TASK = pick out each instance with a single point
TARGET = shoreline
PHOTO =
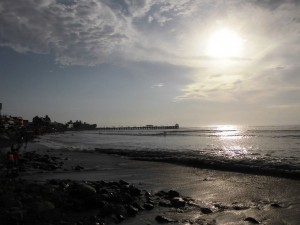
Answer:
(232, 197)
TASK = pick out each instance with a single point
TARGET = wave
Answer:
(254, 166)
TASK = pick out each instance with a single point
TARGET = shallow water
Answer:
(268, 150)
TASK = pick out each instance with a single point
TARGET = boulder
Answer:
(206, 210)
(177, 202)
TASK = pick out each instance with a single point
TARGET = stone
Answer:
(206, 210)
(132, 211)
(173, 194)
(82, 190)
(163, 219)
(276, 205)
(251, 220)
(148, 206)
(134, 191)
(177, 202)
(78, 168)
(165, 203)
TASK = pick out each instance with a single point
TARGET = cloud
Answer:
(97, 31)
(85, 32)
(159, 85)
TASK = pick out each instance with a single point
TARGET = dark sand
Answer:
(234, 198)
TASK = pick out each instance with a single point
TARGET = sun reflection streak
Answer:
(231, 138)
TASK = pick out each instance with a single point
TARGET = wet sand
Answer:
(233, 198)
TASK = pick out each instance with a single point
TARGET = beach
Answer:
(209, 196)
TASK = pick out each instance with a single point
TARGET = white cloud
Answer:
(159, 85)
(174, 32)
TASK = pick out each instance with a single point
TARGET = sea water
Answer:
(268, 150)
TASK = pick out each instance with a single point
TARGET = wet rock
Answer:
(240, 207)
(82, 190)
(251, 220)
(78, 168)
(134, 191)
(15, 215)
(165, 203)
(206, 210)
(178, 202)
(8, 200)
(122, 182)
(161, 194)
(132, 211)
(163, 219)
(148, 206)
(276, 205)
(41, 206)
(173, 194)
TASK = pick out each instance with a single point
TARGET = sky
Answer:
(160, 62)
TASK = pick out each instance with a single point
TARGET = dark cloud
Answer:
(84, 32)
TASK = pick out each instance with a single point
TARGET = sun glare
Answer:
(224, 43)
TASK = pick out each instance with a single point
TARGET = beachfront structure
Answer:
(147, 127)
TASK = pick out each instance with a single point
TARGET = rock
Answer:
(134, 191)
(161, 193)
(163, 219)
(165, 203)
(82, 190)
(206, 210)
(173, 194)
(41, 206)
(122, 182)
(177, 202)
(148, 206)
(16, 215)
(251, 220)
(78, 168)
(132, 211)
(276, 205)
(8, 200)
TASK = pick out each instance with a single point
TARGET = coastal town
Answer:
(11, 126)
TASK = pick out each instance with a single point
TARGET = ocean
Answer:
(267, 150)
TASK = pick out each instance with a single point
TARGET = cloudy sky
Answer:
(136, 62)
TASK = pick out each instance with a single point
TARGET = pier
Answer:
(147, 127)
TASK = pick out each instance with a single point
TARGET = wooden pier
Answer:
(147, 127)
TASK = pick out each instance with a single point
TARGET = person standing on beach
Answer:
(12, 161)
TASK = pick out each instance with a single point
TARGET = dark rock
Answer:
(9, 200)
(173, 194)
(163, 219)
(41, 206)
(132, 211)
(165, 203)
(147, 194)
(134, 191)
(82, 190)
(15, 215)
(122, 182)
(251, 220)
(276, 205)
(161, 193)
(138, 206)
(148, 206)
(240, 207)
(206, 210)
(177, 202)
(78, 168)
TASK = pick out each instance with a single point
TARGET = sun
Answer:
(224, 43)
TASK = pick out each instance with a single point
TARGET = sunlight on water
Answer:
(231, 139)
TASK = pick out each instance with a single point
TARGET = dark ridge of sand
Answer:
(209, 196)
